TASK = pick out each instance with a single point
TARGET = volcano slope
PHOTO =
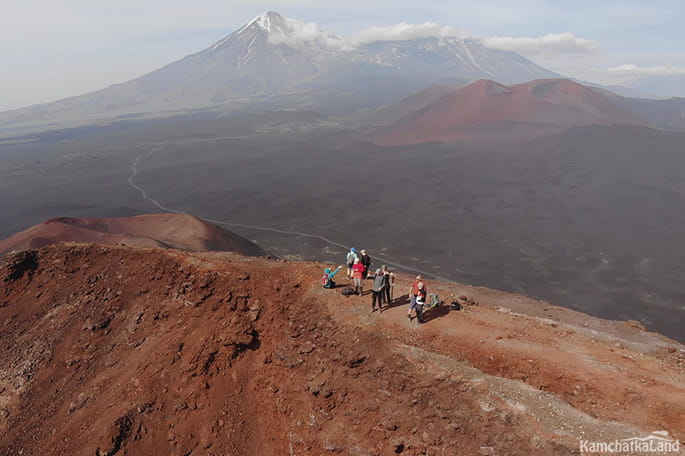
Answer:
(177, 231)
(119, 350)
(487, 109)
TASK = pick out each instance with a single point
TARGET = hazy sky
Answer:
(52, 49)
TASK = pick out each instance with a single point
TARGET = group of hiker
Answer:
(359, 269)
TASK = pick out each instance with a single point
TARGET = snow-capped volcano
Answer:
(283, 30)
(291, 32)
(286, 63)
(270, 22)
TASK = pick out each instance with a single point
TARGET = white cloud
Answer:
(304, 34)
(299, 34)
(636, 70)
(557, 43)
(404, 31)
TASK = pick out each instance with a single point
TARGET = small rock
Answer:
(333, 447)
(397, 445)
(307, 348)
(356, 361)
(636, 324)
(359, 451)
(390, 426)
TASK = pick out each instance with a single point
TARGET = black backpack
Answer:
(347, 291)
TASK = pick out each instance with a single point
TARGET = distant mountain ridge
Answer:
(277, 62)
(665, 86)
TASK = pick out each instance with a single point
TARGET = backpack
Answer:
(434, 300)
(347, 291)
(324, 280)
(455, 305)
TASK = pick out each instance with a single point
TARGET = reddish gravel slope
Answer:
(487, 108)
(120, 350)
(179, 231)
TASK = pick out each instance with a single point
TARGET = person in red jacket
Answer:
(357, 275)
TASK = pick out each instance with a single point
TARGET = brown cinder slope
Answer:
(398, 110)
(484, 107)
(178, 231)
(120, 350)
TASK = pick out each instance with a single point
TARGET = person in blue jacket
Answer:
(327, 279)
(351, 256)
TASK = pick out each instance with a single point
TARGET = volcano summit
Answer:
(274, 62)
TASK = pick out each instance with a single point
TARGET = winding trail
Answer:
(134, 173)
(144, 194)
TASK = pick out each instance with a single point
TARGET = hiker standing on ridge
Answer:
(389, 281)
(413, 293)
(366, 261)
(420, 301)
(351, 256)
(377, 291)
(357, 274)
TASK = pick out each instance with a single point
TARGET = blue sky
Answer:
(54, 49)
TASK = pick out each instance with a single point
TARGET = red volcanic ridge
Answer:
(132, 351)
(484, 107)
(178, 231)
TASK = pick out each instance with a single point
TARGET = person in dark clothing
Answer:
(420, 301)
(378, 287)
(366, 261)
(389, 281)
